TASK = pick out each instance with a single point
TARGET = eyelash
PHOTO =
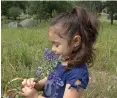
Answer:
(56, 45)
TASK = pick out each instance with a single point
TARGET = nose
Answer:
(54, 49)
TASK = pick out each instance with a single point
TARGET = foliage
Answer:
(5, 5)
(14, 12)
(111, 8)
(54, 13)
(44, 9)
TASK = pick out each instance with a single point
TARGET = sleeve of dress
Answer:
(78, 78)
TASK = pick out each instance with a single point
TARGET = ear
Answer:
(77, 40)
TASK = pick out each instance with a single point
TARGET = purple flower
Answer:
(38, 72)
(50, 55)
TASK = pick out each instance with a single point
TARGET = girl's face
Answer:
(60, 45)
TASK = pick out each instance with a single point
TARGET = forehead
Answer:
(54, 33)
(58, 28)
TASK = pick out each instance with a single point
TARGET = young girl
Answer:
(72, 35)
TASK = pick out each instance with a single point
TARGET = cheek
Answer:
(63, 49)
(60, 49)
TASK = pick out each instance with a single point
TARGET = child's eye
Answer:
(56, 45)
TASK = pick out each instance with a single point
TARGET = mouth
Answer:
(57, 54)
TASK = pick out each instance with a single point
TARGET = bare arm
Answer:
(43, 81)
(30, 88)
(72, 92)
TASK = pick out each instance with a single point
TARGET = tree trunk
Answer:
(111, 18)
(15, 18)
(8, 17)
(37, 20)
(19, 18)
(40, 20)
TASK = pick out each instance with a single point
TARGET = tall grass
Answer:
(106, 48)
(22, 52)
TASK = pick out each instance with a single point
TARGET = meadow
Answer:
(22, 52)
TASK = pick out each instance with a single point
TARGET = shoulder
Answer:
(78, 74)
(78, 71)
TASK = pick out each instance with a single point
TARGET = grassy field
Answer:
(22, 52)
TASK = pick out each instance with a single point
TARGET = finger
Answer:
(28, 82)
(32, 79)
(24, 82)
(32, 82)
(24, 89)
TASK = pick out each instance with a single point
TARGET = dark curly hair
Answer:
(83, 23)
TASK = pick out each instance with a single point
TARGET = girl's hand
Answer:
(28, 82)
(28, 88)
(29, 92)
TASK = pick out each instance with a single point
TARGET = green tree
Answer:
(111, 8)
(5, 5)
(14, 12)
(37, 8)
(93, 6)
(44, 9)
